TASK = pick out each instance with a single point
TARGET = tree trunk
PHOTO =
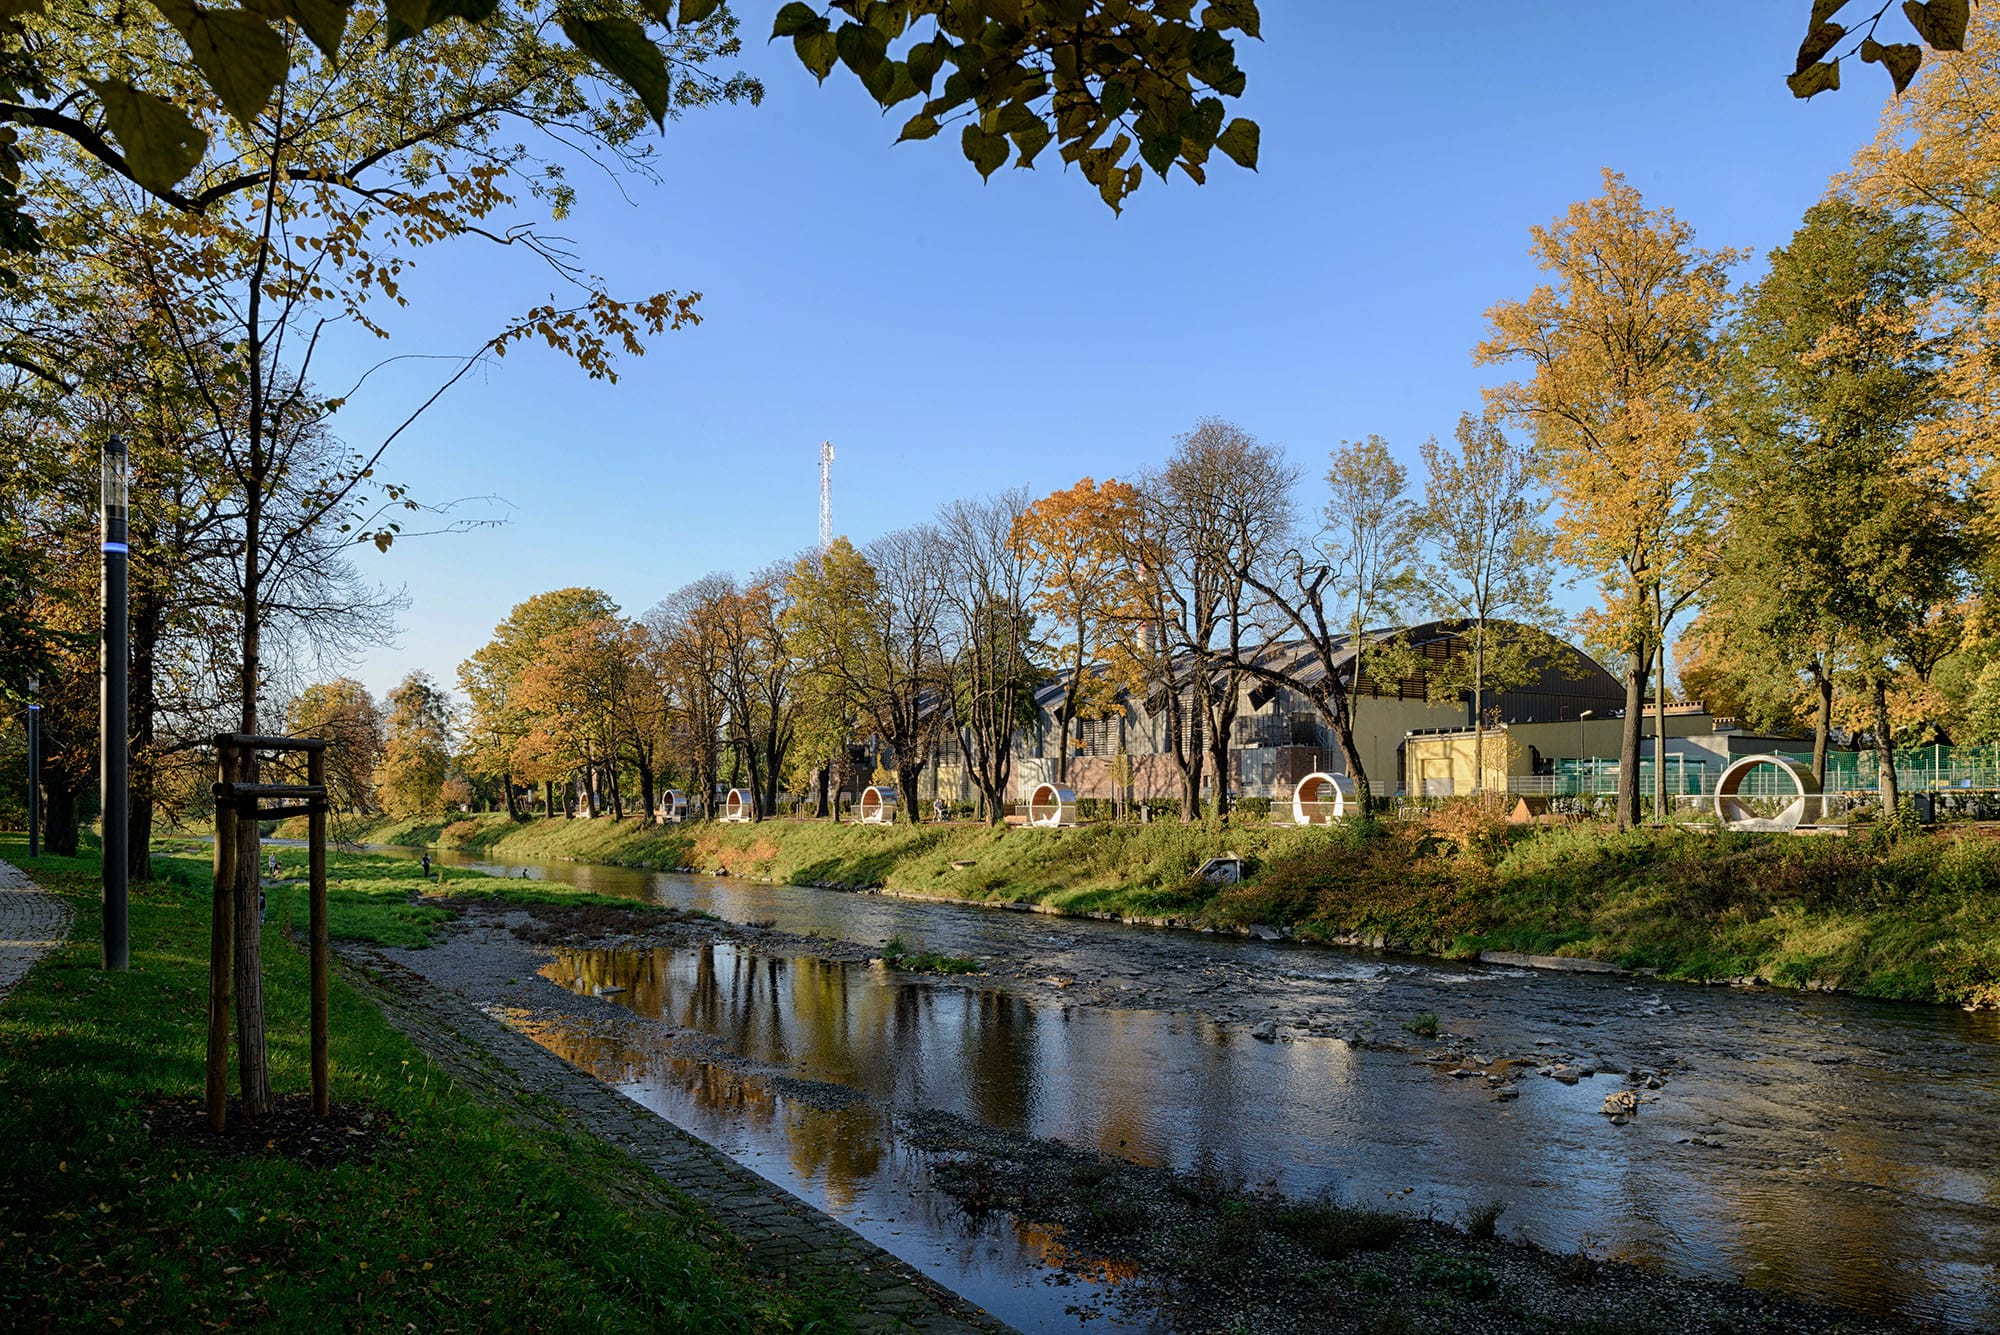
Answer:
(1885, 744)
(645, 769)
(1660, 732)
(1822, 724)
(253, 1070)
(59, 823)
(822, 787)
(1479, 708)
(1636, 663)
(513, 801)
(147, 617)
(906, 789)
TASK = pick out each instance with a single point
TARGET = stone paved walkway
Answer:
(31, 925)
(782, 1237)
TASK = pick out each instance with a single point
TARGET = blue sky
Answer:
(953, 338)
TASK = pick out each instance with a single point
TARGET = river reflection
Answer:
(1833, 1148)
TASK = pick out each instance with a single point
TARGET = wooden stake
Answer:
(221, 947)
(316, 896)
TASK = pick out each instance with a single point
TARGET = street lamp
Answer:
(1583, 744)
(34, 767)
(115, 774)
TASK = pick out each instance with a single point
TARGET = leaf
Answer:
(1029, 141)
(985, 151)
(1159, 152)
(1940, 22)
(816, 51)
(627, 54)
(861, 48)
(796, 18)
(919, 126)
(1241, 14)
(239, 57)
(1818, 42)
(922, 62)
(1902, 60)
(323, 22)
(1240, 140)
(694, 11)
(1821, 78)
(160, 143)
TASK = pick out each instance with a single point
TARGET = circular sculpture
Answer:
(673, 805)
(1050, 807)
(1321, 798)
(878, 806)
(1731, 807)
(739, 806)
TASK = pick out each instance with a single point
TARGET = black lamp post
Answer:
(112, 730)
(34, 767)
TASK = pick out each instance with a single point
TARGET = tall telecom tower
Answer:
(825, 496)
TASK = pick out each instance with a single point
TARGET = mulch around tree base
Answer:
(353, 1133)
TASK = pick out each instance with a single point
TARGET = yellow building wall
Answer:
(1456, 755)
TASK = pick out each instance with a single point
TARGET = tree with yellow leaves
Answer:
(1619, 344)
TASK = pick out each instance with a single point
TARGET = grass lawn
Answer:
(458, 1219)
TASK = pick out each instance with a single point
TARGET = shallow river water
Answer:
(1831, 1148)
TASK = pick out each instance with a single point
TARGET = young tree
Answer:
(1487, 563)
(1620, 346)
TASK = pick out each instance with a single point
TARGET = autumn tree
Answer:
(578, 693)
(416, 749)
(1486, 563)
(498, 720)
(346, 715)
(1065, 537)
(868, 625)
(1619, 344)
(692, 667)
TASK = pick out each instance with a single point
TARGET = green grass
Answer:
(464, 1220)
(1916, 920)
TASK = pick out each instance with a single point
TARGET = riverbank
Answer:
(1914, 920)
(419, 1204)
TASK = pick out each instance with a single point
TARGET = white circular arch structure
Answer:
(673, 805)
(1797, 785)
(878, 805)
(1322, 798)
(1051, 808)
(740, 806)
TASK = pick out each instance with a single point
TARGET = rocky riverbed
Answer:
(1150, 1244)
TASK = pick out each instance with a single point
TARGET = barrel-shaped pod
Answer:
(673, 805)
(1733, 810)
(739, 806)
(1322, 798)
(1051, 807)
(878, 805)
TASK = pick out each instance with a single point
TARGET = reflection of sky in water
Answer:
(1824, 1145)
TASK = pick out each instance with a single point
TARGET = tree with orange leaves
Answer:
(1619, 344)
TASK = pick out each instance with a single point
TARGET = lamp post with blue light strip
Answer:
(112, 730)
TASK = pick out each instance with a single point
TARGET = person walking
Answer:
(427, 866)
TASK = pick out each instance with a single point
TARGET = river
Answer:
(1830, 1148)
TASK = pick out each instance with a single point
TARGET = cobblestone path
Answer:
(31, 925)
(781, 1236)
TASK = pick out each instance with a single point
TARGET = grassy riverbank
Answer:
(1914, 920)
(426, 1208)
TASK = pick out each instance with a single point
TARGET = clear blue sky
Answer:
(953, 338)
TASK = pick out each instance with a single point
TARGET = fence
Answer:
(1925, 769)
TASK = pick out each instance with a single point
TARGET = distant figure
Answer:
(274, 866)
(937, 809)
(263, 909)
(427, 866)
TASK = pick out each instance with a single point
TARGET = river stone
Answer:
(1266, 1032)
(1620, 1104)
(1569, 1075)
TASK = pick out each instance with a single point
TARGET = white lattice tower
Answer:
(825, 495)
